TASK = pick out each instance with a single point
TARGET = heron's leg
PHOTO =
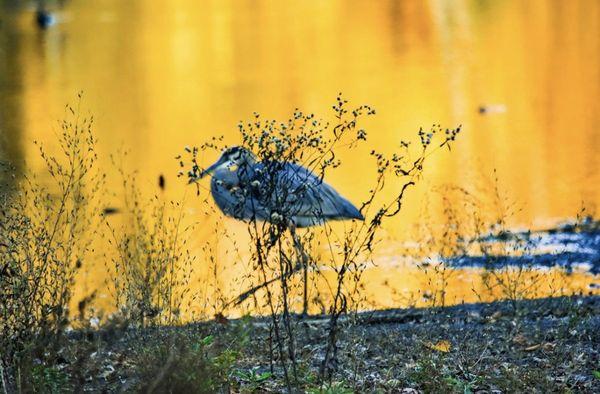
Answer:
(303, 262)
(242, 297)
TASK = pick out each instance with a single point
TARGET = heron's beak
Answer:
(207, 171)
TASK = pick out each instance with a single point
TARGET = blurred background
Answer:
(522, 77)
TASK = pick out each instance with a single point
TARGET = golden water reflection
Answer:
(161, 75)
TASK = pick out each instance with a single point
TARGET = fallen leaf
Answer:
(440, 346)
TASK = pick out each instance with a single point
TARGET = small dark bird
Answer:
(44, 18)
(161, 182)
(492, 109)
(110, 211)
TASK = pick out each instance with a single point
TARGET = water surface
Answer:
(523, 78)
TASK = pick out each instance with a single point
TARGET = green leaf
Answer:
(263, 376)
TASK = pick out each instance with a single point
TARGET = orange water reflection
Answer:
(162, 75)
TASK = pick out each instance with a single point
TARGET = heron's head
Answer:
(231, 159)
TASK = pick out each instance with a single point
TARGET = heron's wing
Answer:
(303, 194)
(259, 190)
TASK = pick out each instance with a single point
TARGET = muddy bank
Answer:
(546, 345)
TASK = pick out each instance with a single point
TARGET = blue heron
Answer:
(273, 191)
(278, 192)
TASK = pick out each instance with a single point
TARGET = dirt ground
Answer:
(546, 345)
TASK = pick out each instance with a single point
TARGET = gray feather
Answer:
(265, 191)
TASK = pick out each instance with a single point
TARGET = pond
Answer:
(522, 78)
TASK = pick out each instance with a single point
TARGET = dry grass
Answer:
(45, 233)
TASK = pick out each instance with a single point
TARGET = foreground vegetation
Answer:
(51, 225)
(552, 346)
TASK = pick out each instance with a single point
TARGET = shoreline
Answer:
(548, 345)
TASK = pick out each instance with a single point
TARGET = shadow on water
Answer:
(563, 248)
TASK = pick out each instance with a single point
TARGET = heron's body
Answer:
(246, 189)
(279, 190)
